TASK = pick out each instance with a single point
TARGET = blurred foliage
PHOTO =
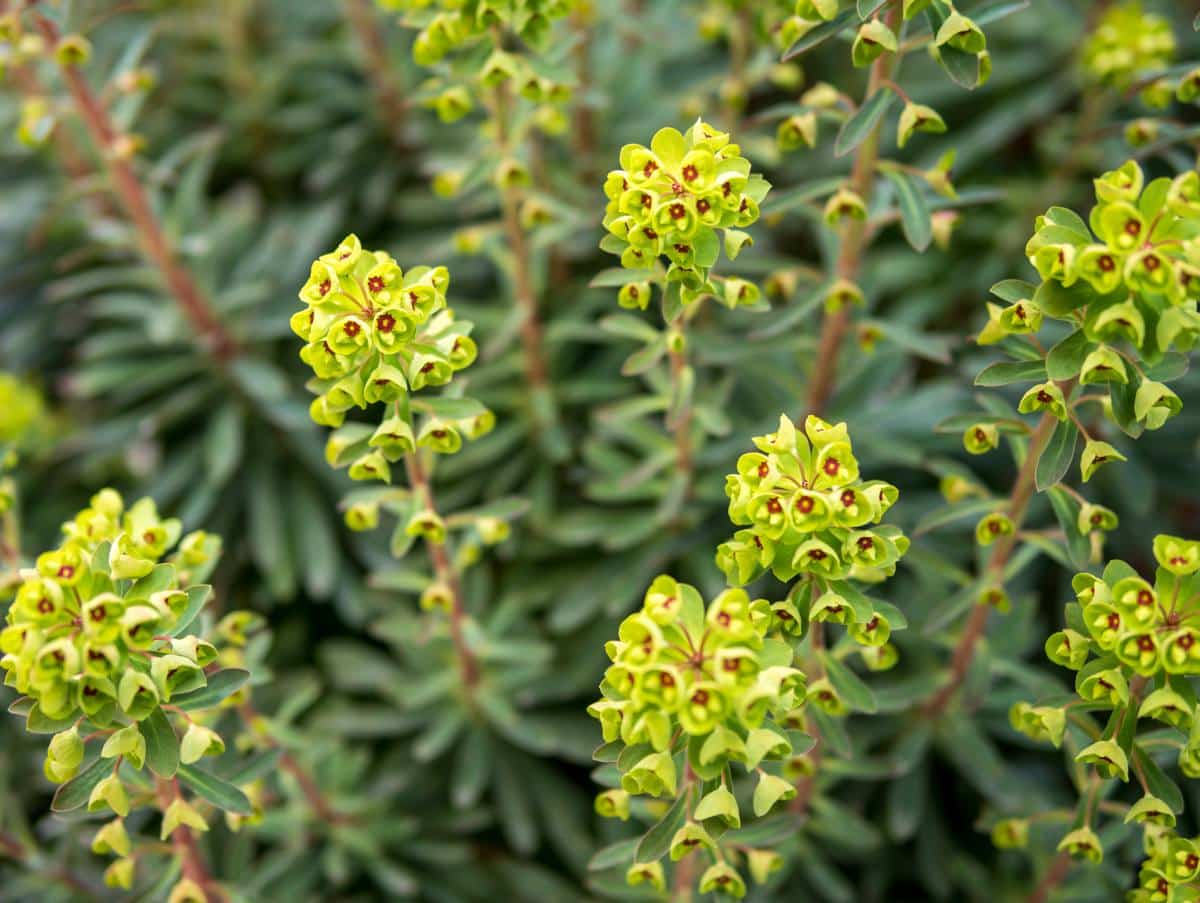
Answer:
(153, 350)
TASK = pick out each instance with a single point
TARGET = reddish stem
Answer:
(132, 196)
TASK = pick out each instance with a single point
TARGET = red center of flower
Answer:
(703, 206)
(758, 542)
(1106, 263)
(744, 206)
(1133, 227)
(45, 606)
(723, 618)
(647, 200)
(1186, 641)
(1145, 597)
(763, 470)
(731, 664)
(1152, 263)
(324, 288)
(678, 211)
(1019, 311)
(633, 292)
(89, 691)
(682, 249)
(351, 328)
(817, 555)
(375, 283)
(667, 680)
(385, 322)
(690, 173)
(773, 505)
(804, 504)
(994, 526)
(873, 623)
(649, 168)
(1114, 621)
(832, 465)
(439, 434)
(1192, 861)
(98, 613)
(700, 697)
(66, 572)
(650, 234)
(866, 543)
(1145, 644)
(980, 435)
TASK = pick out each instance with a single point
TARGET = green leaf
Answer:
(452, 408)
(1066, 512)
(614, 855)
(1056, 300)
(217, 791)
(1057, 456)
(1065, 358)
(856, 129)
(1156, 779)
(197, 599)
(868, 8)
(914, 210)
(75, 792)
(821, 33)
(657, 841)
(221, 685)
(37, 722)
(1007, 372)
(849, 686)
(1013, 290)
(162, 745)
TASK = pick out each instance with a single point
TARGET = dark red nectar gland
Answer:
(731, 664)
(1186, 642)
(1114, 621)
(439, 434)
(1106, 263)
(817, 555)
(98, 613)
(980, 435)
(678, 211)
(690, 173)
(650, 234)
(666, 680)
(66, 572)
(375, 284)
(649, 168)
(324, 288)
(700, 697)
(703, 206)
(351, 329)
(427, 367)
(773, 505)
(1145, 597)
(45, 606)
(1133, 227)
(832, 466)
(682, 249)
(385, 323)
(847, 498)
(723, 619)
(994, 527)
(1044, 397)
(1152, 263)
(804, 504)
(763, 469)
(1145, 644)
(865, 543)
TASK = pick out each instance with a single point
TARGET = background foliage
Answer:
(268, 131)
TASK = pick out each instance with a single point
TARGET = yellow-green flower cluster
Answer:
(97, 627)
(1173, 865)
(374, 335)
(807, 511)
(1127, 42)
(446, 25)
(1133, 625)
(671, 198)
(715, 682)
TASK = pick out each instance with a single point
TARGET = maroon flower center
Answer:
(427, 367)
(731, 664)
(873, 623)
(678, 211)
(650, 234)
(385, 323)
(723, 619)
(324, 288)
(98, 613)
(375, 283)
(1133, 227)
(804, 504)
(994, 526)
(866, 543)
(817, 555)
(1152, 263)
(45, 606)
(832, 465)
(700, 697)
(66, 572)
(1044, 397)
(1145, 644)
(682, 249)
(1145, 597)
(1106, 263)
(690, 173)
(1186, 641)
(667, 680)
(848, 498)
(649, 168)
(980, 435)
(1114, 621)
(763, 470)
(351, 329)
(703, 206)
(773, 505)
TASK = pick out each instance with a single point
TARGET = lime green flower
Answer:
(1126, 42)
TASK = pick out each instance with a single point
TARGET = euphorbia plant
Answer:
(107, 642)
(696, 689)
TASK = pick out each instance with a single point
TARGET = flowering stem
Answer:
(308, 785)
(1018, 503)
(389, 96)
(191, 860)
(854, 236)
(446, 573)
(808, 783)
(1059, 866)
(522, 273)
(133, 198)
